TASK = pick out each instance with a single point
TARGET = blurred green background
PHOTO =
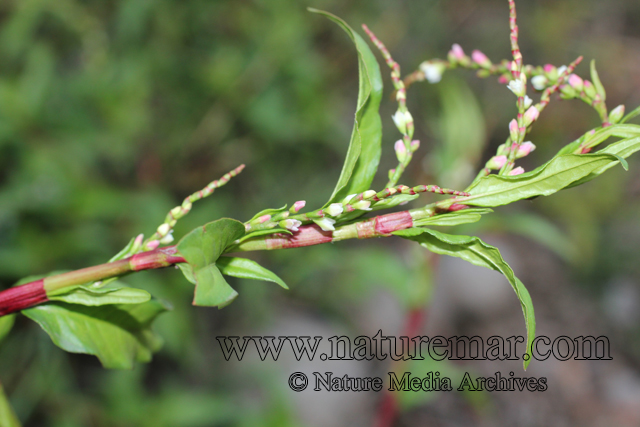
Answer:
(112, 111)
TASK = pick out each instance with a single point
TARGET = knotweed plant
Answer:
(92, 311)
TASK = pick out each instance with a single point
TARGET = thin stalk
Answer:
(34, 293)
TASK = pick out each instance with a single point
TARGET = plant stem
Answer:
(34, 293)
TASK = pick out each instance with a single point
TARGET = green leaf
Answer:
(124, 252)
(394, 201)
(464, 216)
(263, 232)
(597, 136)
(363, 155)
(6, 323)
(477, 252)
(114, 294)
(201, 248)
(560, 172)
(462, 131)
(532, 226)
(8, 418)
(596, 81)
(118, 335)
(271, 212)
(631, 115)
(247, 269)
(622, 161)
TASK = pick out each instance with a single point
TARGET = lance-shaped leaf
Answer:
(258, 233)
(271, 211)
(477, 252)
(595, 137)
(7, 416)
(620, 149)
(115, 293)
(560, 172)
(6, 323)
(201, 248)
(363, 155)
(596, 81)
(118, 334)
(464, 216)
(393, 201)
(247, 269)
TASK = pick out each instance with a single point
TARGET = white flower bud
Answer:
(518, 87)
(167, 239)
(325, 223)
(527, 101)
(362, 205)
(163, 229)
(539, 82)
(334, 209)
(400, 121)
(432, 71)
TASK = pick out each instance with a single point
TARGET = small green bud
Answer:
(616, 114)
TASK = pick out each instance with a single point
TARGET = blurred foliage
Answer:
(112, 111)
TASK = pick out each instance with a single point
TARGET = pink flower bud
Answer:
(503, 79)
(415, 144)
(456, 52)
(513, 130)
(456, 207)
(576, 82)
(524, 149)
(531, 115)
(264, 218)
(517, 171)
(401, 150)
(480, 58)
(138, 241)
(298, 205)
(589, 89)
(497, 162)
(153, 244)
(549, 68)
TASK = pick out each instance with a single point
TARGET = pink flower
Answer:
(153, 244)
(503, 79)
(497, 162)
(401, 150)
(549, 68)
(524, 149)
(576, 82)
(513, 130)
(480, 58)
(298, 205)
(531, 115)
(517, 171)
(415, 144)
(264, 218)
(456, 52)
